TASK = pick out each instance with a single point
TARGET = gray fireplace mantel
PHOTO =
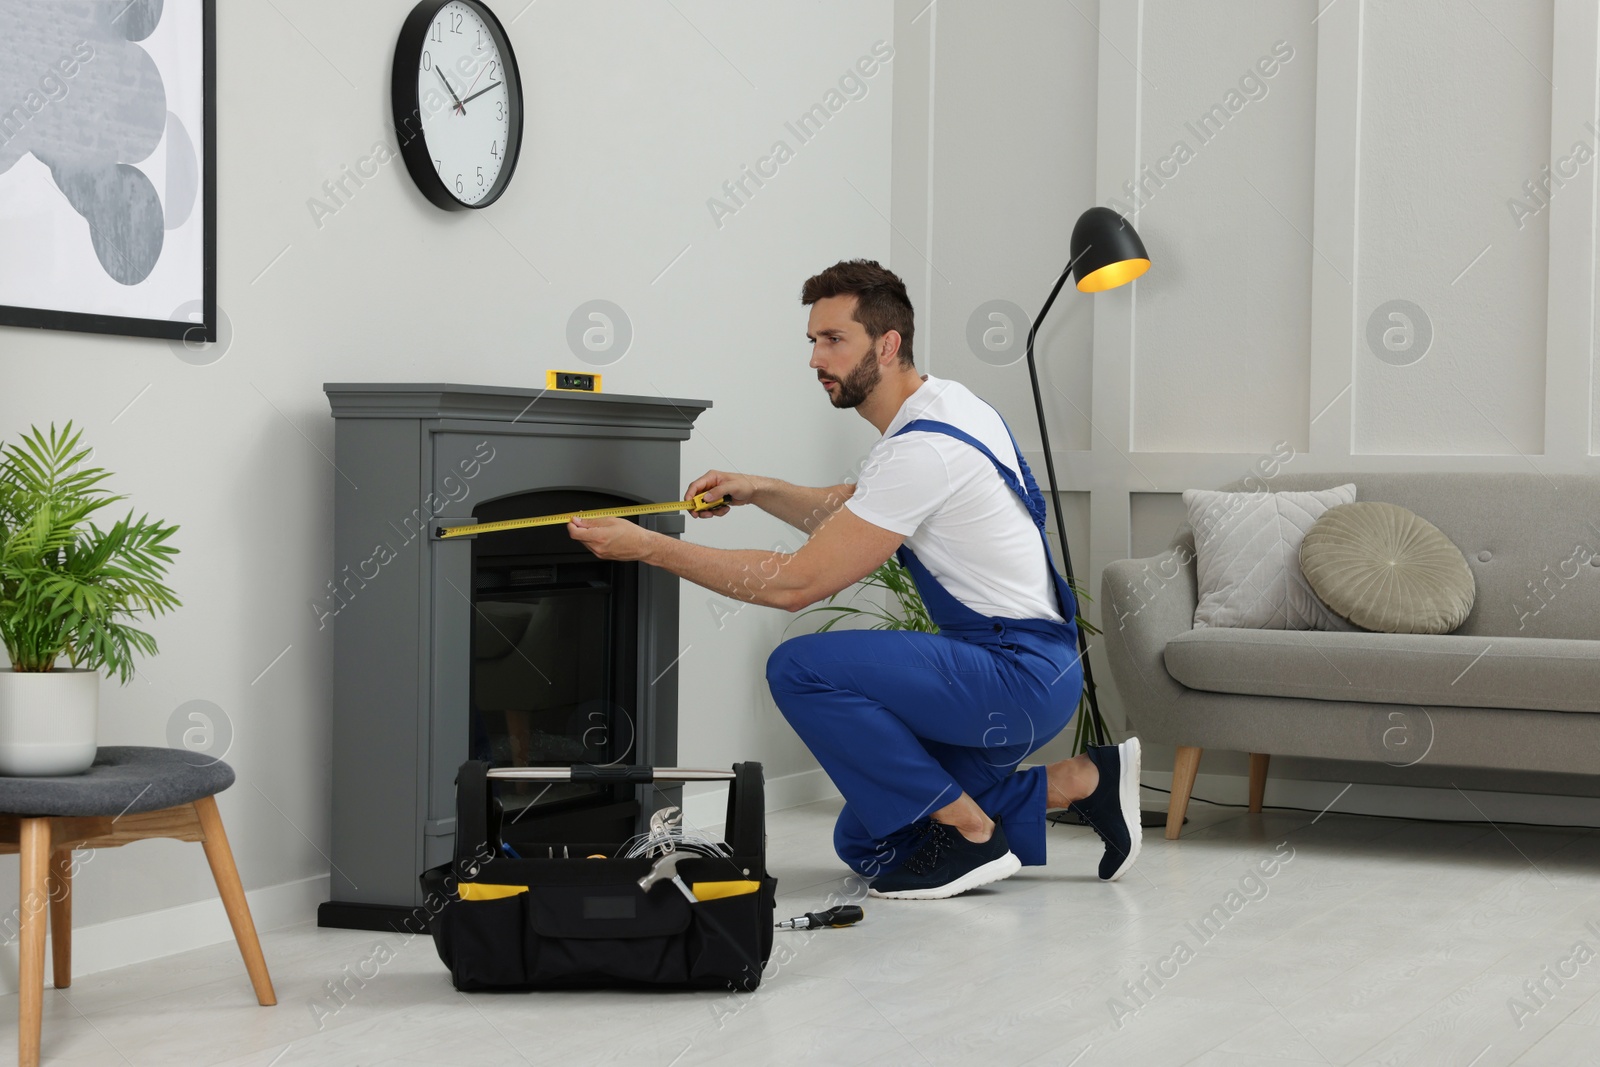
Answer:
(493, 403)
(409, 458)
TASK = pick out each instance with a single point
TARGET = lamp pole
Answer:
(1096, 721)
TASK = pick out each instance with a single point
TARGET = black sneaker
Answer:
(1112, 810)
(946, 864)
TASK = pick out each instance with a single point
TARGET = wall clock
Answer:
(457, 103)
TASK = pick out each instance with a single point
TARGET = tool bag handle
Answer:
(746, 829)
(473, 818)
(478, 811)
(613, 775)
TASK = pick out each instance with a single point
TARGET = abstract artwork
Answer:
(108, 166)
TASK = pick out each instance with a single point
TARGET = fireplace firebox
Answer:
(554, 632)
(518, 647)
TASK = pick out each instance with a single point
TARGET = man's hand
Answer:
(844, 550)
(737, 488)
(611, 538)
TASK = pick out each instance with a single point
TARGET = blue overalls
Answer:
(903, 722)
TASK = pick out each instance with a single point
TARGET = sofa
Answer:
(1515, 687)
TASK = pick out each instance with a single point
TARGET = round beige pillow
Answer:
(1387, 569)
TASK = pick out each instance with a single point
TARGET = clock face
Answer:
(460, 115)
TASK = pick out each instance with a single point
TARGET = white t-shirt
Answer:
(972, 533)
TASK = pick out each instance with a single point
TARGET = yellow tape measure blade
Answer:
(699, 503)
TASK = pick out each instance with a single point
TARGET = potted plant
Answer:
(67, 589)
(903, 610)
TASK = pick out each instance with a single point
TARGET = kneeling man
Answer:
(922, 733)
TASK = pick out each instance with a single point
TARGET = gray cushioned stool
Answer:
(128, 795)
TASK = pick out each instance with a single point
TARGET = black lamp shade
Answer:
(1106, 252)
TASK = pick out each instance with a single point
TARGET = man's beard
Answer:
(858, 385)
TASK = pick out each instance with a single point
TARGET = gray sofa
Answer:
(1516, 687)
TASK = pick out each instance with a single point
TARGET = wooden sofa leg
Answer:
(1258, 779)
(1184, 768)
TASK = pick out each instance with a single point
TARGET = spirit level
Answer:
(572, 381)
(699, 503)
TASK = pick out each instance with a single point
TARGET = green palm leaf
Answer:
(67, 586)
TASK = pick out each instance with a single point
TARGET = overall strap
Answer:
(1025, 488)
(1030, 493)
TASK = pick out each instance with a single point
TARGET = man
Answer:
(922, 733)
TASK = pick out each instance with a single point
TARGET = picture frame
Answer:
(108, 167)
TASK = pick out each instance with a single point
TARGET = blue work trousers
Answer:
(903, 722)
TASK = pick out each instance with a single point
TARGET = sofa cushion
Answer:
(1442, 670)
(1532, 539)
(1247, 558)
(1387, 568)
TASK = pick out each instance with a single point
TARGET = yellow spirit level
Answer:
(572, 381)
(699, 503)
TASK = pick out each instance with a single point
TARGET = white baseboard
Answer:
(120, 942)
(710, 807)
(1415, 802)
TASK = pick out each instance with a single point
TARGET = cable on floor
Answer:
(1401, 818)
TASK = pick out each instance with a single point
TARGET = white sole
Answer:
(1128, 799)
(993, 871)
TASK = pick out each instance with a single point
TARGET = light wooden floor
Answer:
(1379, 942)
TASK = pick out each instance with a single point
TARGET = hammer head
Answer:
(665, 869)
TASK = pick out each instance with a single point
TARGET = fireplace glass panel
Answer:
(554, 643)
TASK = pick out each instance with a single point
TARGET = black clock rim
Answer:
(408, 105)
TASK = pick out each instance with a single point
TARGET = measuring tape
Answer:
(699, 503)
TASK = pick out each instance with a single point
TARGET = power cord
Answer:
(1401, 818)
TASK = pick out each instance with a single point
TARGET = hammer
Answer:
(667, 867)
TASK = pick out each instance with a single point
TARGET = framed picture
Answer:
(108, 167)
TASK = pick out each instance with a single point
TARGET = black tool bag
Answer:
(564, 921)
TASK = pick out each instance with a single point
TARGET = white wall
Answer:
(1222, 191)
(638, 112)
(1448, 134)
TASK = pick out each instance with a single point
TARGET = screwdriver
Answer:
(843, 915)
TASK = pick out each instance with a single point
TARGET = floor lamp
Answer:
(1106, 253)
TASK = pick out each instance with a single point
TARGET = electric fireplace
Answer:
(518, 647)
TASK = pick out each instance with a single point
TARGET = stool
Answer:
(128, 795)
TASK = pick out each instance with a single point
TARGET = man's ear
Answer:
(890, 352)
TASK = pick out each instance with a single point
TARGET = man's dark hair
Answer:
(881, 301)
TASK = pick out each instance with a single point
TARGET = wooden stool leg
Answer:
(220, 856)
(61, 917)
(1184, 768)
(1258, 779)
(34, 856)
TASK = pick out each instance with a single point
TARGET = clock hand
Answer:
(475, 80)
(449, 90)
(480, 92)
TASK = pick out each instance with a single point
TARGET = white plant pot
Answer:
(48, 722)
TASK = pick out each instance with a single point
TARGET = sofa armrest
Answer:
(1144, 604)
